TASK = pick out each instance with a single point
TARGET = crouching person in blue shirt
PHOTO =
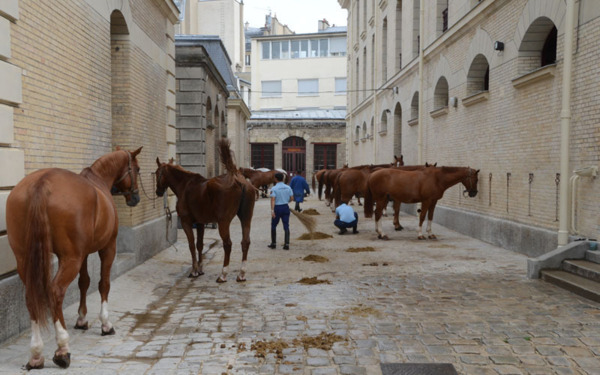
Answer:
(281, 195)
(345, 218)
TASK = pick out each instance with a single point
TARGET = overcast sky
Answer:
(301, 16)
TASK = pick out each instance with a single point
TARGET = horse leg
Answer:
(378, 226)
(189, 233)
(424, 208)
(200, 247)
(36, 360)
(430, 235)
(107, 257)
(397, 225)
(226, 238)
(84, 284)
(67, 271)
(245, 246)
(358, 199)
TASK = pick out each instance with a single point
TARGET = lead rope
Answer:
(168, 213)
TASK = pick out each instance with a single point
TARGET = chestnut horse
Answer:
(262, 179)
(426, 186)
(202, 201)
(71, 215)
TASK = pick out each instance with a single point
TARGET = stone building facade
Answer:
(490, 97)
(298, 101)
(80, 77)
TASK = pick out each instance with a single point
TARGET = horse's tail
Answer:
(226, 157)
(337, 191)
(313, 182)
(38, 246)
(320, 180)
(368, 202)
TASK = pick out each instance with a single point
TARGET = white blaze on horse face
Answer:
(106, 324)
(62, 336)
(37, 344)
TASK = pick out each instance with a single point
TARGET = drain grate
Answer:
(418, 369)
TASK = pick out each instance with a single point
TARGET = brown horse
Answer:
(71, 215)
(426, 186)
(260, 179)
(202, 201)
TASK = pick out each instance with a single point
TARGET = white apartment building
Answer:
(507, 87)
(299, 100)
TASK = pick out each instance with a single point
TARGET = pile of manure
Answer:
(312, 281)
(314, 236)
(359, 249)
(315, 258)
(323, 341)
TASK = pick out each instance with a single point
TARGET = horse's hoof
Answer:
(63, 360)
(109, 332)
(195, 274)
(220, 280)
(83, 327)
(240, 279)
(432, 237)
(399, 228)
(384, 237)
(36, 365)
(421, 237)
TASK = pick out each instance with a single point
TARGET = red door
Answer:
(294, 155)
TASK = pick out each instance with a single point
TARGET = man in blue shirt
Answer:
(281, 195)
(299, 186)
(345, 217)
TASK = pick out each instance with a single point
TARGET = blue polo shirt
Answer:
(345, 212)
(282, 193)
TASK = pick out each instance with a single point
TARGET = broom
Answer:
(309, 222)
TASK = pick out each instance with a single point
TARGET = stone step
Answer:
(581, 267)
(593, 256)
(573, 283)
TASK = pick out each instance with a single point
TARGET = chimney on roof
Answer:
(323, 24)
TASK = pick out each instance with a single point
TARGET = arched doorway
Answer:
(294, 155)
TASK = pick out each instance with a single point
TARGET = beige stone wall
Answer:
(513, 129)
(60, 109)
(314, 131)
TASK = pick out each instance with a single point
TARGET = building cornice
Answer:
(169, 9)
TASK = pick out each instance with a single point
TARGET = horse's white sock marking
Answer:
(379, 228)
(62, 336)
(420, 230)
(429, 226)
(106, 324)
(243, 269)
(37, 344)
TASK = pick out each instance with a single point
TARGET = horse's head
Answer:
(161, 180)
(470, 182)
(398, 161)
(126, 185)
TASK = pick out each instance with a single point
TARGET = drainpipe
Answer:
(421, 82)
(565, 126)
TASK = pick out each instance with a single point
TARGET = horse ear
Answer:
(118, 148)
(157, 161)
(171, 161)
(477, 171)
(136, 152)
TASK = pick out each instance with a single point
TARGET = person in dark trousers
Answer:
(299, 186)
(281, 195)
(345, 218)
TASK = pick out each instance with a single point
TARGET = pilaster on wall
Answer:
(12, 160)
(171, 103)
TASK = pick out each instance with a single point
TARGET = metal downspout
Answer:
(421, 82)
(565, 125)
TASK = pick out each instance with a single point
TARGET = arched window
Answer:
(538, 47)
(384, 119)
(398, 130)
(414, 107)
(478, 78)
(442, 17)
(364, 131)
(440, 95)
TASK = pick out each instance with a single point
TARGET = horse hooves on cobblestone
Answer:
(194, 275)
(240, 279)
(384, 237)
(109, 333)
(37, 366)
(63, 360)
(421, 237)
(399, 228)
(83, 327)
(220, 280)
(432, 237)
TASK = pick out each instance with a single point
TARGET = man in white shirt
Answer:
(345, 218)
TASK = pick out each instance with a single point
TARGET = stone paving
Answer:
(455, 300)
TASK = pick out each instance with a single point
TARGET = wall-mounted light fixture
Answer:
(499, 46)
(453, 101)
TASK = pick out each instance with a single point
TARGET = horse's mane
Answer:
(452, 169)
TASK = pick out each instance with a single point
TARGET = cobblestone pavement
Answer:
(455, 300)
